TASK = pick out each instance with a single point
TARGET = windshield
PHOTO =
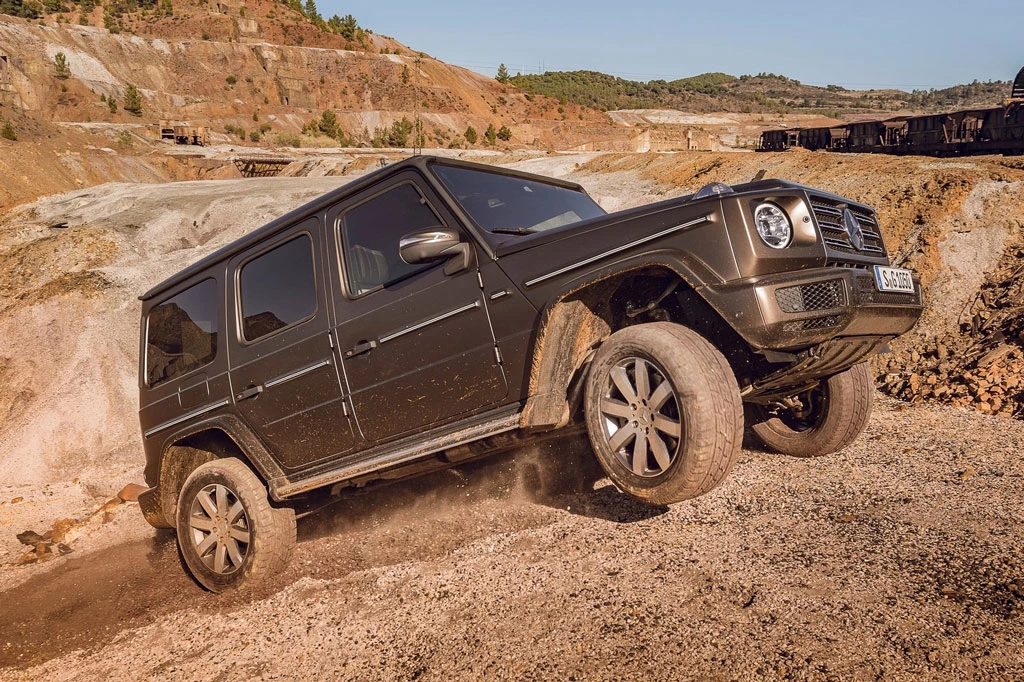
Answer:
(503, 204)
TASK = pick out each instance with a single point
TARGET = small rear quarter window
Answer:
(181, 334)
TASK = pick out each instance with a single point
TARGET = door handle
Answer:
(360, 348)
(250, 392)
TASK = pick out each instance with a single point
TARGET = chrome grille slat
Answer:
(829, 215)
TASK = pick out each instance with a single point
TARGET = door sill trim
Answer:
(395, 454)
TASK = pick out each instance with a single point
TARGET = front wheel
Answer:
(822, 420)
(663, 412)
(228, 533)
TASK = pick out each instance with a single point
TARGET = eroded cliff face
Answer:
(228, 82)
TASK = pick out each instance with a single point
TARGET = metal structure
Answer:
(995, 130)
(260, 166)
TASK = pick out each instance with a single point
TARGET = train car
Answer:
(779, 140)
(997, 130)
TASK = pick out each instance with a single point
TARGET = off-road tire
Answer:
(710, 413)
(270, 531)
(844, 412)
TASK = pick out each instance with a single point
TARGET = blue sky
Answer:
(857, 44)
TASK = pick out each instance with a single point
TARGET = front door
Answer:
(284, 370)
(417, 343)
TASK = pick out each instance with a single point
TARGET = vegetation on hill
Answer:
(764, 92)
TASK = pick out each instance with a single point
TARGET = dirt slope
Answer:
(897, 559)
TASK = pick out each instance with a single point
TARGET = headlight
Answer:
(773, 226)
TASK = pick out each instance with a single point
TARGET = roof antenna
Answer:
(760, 175)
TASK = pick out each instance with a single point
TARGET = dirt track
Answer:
(899, 558)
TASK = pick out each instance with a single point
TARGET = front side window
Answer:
(182, 333)
(278, 288)
(505, 204)
(371, 232)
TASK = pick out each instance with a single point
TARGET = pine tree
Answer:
(491, 135)
(133, 100)
(504, 133)
(502, 76)
(61, 69)
(470, 135)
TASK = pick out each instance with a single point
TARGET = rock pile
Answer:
(981, 365)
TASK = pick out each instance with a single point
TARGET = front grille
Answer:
(867, 293)
(815, 323)
(816, 296)
(829, 214)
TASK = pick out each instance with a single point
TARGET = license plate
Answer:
(894, 279)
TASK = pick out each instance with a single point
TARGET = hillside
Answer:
(765, 92)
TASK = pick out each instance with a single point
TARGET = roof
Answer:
(313, 207)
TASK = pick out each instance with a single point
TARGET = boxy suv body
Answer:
(435, 311)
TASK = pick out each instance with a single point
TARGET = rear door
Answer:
(284, 372)
(417, 343)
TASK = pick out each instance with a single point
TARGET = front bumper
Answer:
(797, 310)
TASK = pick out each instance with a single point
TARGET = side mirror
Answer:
(435, 244)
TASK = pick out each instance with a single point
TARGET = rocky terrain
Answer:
(899, 558)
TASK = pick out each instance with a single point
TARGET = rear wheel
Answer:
(822, 420)
(663, 412)
(228, 533)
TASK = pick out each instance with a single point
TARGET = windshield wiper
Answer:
(511, 230)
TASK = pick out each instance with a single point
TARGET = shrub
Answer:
(231, 80)
(491, 135)
(470, 135)
(7, 132)
(289, 140)
(112, 104)
(254, 136)
(504, 133)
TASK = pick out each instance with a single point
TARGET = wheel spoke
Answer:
(668, 426)
(240, 534)
(621, 379)
(233, 552)
(208, 504)
(616, 408)
(201, 523)
(640, 455)
(222, 499)
(220, 561)
(660, 451)
(621, 437)
(661, 395)
(642, 378)
(204, 546)
(236, 510)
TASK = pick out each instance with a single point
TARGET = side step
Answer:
(396, 454)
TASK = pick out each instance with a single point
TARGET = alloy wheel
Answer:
(640, 415)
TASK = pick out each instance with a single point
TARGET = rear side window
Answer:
(182, 333)
(371, 232)
(278, 288)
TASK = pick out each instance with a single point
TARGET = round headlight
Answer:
(773, 226)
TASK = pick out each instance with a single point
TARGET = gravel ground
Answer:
(898, 558)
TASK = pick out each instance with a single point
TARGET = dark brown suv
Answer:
(437, 311)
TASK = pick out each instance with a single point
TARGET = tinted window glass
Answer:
(503, 203)
(182, 333)
(278, 288)
(371, 232)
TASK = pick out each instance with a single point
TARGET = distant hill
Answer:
(765, 92)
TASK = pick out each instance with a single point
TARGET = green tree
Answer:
(61, 69)
(112, 104)
(133, 100)
(504, 133)
(328, 124)
(470, 135)
(398, 135)
(7, 132)
(405, 75)
(311, 10)
(491, 135)
(502, 76)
